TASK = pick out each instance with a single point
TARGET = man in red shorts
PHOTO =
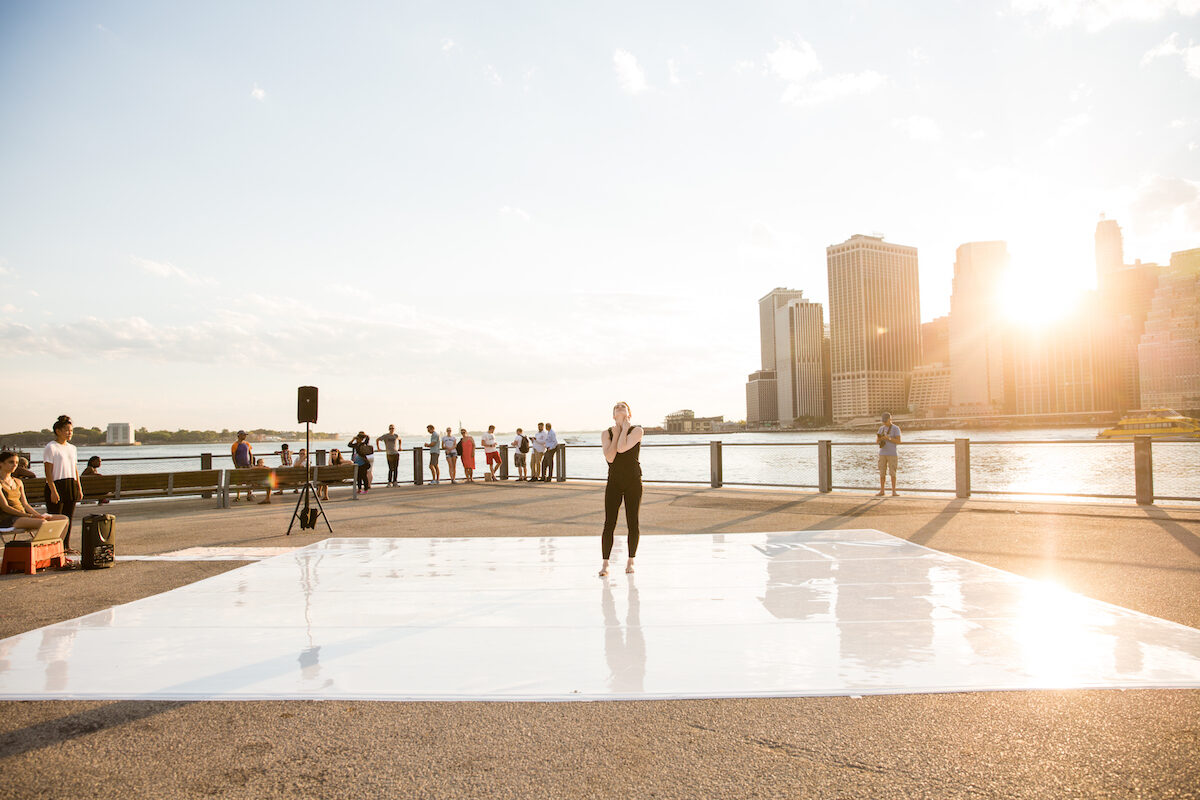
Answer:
(491, 452)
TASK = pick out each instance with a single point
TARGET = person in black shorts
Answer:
(621, 444)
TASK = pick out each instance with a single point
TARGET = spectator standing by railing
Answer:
(391, 443)
(887, 437)
(435, 448)
(450, 449)
(548, 456)
(491, 452)
(539, 450)
(466, 444)
(520, 447)
(61, 461)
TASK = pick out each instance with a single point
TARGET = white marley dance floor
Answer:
(844, 612)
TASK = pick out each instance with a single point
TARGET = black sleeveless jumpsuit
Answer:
(624, 484)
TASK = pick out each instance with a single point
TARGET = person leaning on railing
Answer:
(15, 511)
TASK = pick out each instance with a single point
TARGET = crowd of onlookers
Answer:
(533, 457)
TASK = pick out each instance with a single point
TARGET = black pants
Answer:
(548, 463)
(393, 467)
(618, 490)
(65, 505)
(364, 477)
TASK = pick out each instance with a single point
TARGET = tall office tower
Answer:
(935, 342)
(1110, 248)
(1169, 353)
(875, 324)
(1064, 368)
(800, 360)
(768, 304)
(976, 328)
(762, 397)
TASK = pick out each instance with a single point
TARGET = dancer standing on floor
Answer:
(621, 444)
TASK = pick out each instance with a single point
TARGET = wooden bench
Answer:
(257, 478)
(205, 482)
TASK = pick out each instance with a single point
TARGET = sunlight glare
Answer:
(1033, 299)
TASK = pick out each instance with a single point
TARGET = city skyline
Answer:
(505, 216)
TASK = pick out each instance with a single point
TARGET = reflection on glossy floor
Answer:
(726, 615)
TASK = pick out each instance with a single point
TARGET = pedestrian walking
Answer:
(491, 452)
(466, 445)
(520, 446)
(548, 456)
(391, 443)
(887, 437)
(61, 461)
(621, 444)
(450, 449)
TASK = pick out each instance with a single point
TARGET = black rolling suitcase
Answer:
(99, 541)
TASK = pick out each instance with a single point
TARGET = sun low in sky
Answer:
(505, 213)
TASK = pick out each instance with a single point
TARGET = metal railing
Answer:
(1040, 468)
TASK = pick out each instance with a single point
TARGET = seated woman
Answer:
(93, 468)
(15, 511)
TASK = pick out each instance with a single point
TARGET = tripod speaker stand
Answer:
(307, 413)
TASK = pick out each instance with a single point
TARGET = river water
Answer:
(1065, 461)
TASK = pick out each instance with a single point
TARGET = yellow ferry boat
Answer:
(1159, 423)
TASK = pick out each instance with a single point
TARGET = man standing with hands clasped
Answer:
(887, 437)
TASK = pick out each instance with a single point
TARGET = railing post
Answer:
(1143, 471)
(418, 466)
(320, 462)
(560, 455)
(716, 477)
(223, 490)
(503, 462)
(206, 463)
(962, 468)
(825, 466)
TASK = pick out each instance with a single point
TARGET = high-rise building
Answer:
(768, 304)
(1126, 291)
(976, 325)
(935, 341)
(762, 398)
(1110, 248)
(800, 361)
(1063, 367)
(930, 390)
(119, 433)
(875, 324)
(1169, 352)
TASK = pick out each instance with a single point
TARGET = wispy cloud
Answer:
(796, 64)
(165, 269)
(833, 88)
(1165, 202)
(1096, 15)
(448, 45)
(4, 268)
(672, 72)
(793, 61)
(629, 74)
(492, 76)
(519, 213)
(919, 129)
(257, 93)
(1170, 47)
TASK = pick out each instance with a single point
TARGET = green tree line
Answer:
(94, 436)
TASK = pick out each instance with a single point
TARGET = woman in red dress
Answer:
(468, 454)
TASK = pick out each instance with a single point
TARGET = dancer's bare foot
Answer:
(604, 569)
(629, 567)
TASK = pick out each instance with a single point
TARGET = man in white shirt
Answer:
(520, 447)
(491, 452)
(538, 442)
(548, 456)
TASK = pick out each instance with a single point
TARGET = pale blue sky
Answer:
(512, 212)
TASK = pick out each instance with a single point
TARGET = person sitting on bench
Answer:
(15, 511)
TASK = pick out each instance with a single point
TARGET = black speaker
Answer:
(306, 404)
(99, 541)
